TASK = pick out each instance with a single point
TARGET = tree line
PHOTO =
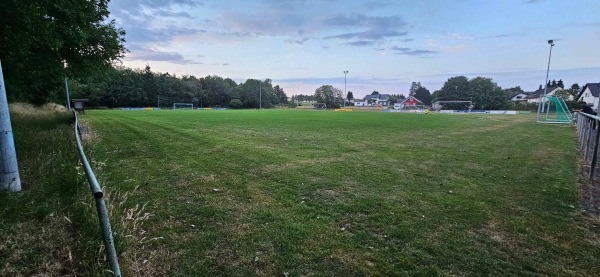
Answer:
(126, 87)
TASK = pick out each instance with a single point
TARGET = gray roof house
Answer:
(590, 93)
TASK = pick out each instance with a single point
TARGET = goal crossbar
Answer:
(185, 106)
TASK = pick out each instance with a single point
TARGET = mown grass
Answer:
(267, 193)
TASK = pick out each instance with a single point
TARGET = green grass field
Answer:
(241, 193)
(301, 193)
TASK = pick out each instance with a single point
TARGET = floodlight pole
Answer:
(345, 91)
(260, 96)
(551, 42)
(9, 170)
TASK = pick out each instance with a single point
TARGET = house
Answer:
(408, 102)
(519, 97)
(534, 97)
(373, 100)
(590, 93)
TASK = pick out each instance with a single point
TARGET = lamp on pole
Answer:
(551, 42)
(345, 91)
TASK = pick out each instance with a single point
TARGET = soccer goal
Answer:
(319, 106)
(183, 106)
(553, 110)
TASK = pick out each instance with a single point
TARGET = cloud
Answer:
(374, 5)
(412, 52)
(145, 54)
(362, 43)
(377, 27)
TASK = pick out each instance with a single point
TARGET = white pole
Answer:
(9, 170)
(67, 90)
(345, 91)
(260, 96)
(551, 42)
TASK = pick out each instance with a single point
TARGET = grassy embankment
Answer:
(51, 227)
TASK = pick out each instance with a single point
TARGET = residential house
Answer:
(410, 101)
(534, 97)
(373, 100)
(590, 94)
(519, 97)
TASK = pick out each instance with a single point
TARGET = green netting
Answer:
(555, 111)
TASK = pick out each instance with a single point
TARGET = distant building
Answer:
(590, 93)
(408, 102)
(534, 97)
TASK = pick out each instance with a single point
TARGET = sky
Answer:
(384, 45)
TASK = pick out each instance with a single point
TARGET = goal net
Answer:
(319, 106)
(183, 106)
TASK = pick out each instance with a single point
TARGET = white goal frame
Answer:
(183, 106)
(439, 104)
(319, 106)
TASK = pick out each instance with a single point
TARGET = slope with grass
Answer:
(239, 193)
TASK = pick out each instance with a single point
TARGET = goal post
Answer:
(183, 106)
(452, 105)
(319, 106)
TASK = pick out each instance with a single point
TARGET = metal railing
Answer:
(109, 243)
(588, 133)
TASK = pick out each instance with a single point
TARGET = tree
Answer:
(414, 87)
(486, 94)
(560, 84)
(235, 103)
(37, 37)
(483, 92)
(455, 89)
(423, 95)
(375, 92)
(553, 83)
(350, 96)
(328, 94)
(564, 94)
(574, 89)
(280, 94)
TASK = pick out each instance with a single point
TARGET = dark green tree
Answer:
(486, 94)
(423, 95)
(414, 87)
(375, 92)
(349, 96)
(329, 95)
(38, 37)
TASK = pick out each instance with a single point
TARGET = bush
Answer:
(235, 104)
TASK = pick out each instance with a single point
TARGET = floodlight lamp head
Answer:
(551, 42)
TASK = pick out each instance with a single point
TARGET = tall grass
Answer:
(51, 227)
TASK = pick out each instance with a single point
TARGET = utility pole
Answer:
(551, 42)
(260, 96)
(9, 170)
(345, 91)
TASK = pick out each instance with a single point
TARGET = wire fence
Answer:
(101, 209)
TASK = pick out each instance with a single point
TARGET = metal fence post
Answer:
(9, 170)
(595, 154)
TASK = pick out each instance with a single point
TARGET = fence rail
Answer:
(109, 243)
(588, 133)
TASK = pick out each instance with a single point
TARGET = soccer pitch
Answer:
(284, 192)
